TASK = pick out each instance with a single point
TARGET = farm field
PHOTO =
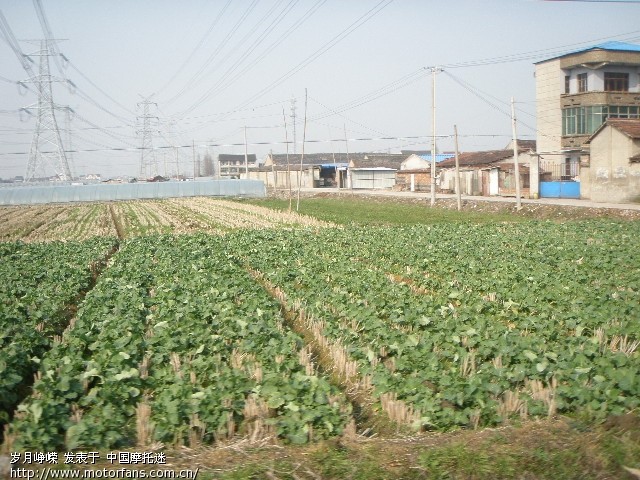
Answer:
(37, 223)
(314, 333)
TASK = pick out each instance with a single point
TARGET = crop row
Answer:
(183, 340)
(175, 344)
(40, 286)
(470, 325)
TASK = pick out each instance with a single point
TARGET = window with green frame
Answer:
(586, 120)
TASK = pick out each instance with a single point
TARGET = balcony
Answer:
(599, 98)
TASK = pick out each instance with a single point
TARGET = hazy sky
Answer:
(214, 67)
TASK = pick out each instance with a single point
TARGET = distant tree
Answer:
(207, 164)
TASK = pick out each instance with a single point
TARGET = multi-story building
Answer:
(577, 92)
(231, 166)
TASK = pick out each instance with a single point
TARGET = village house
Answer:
(231, 165)
(613, 172)
(486, 173)
(415, 171)
(575, 94)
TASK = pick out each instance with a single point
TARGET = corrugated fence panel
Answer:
(28, 195)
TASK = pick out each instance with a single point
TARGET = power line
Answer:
(557, 51)
(215, 53)
(326, 47)
(197, 47)
(227, 79)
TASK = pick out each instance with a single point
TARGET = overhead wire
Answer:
(74, 67)
(517, 57)
(383, 91)
(363, 19)
(333, 112)
(194, 78)
(474, 91)
(244, 56)
(198, 46)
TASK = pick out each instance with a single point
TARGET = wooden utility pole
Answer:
(346, 143)
(286, 142)
(193, 147)
(177, 166)
(273, 174)
(246, 156)
(304, 136)
(457, 180)
(515, 154)
(434, 71)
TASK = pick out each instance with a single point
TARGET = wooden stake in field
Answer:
(304, 136)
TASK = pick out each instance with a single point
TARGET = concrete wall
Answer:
(612, 177)
(470, 181)
(596, 57)
(421, 181)
(534, 176)
(281, 179)
(549, 86)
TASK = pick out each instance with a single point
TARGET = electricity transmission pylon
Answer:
(47, 148)
(148, 161)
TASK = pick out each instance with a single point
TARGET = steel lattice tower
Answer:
(46, 147)
(148, 161)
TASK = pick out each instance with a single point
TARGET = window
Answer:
(616, 82)
(586, 120)
(582, 82)
(569, 121)
(567, 84)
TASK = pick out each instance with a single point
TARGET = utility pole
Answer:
(46, 145)
(304, 136)
(457, 180)
(148, 161)
(286, 142)
(333, 155)
(177, 166)
(193, 146)
(346, 143)
(434, 71)
(293, 121)
(515, 154)
(246, 156)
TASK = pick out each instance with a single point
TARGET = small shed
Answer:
(374, 178)
(486, 173)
